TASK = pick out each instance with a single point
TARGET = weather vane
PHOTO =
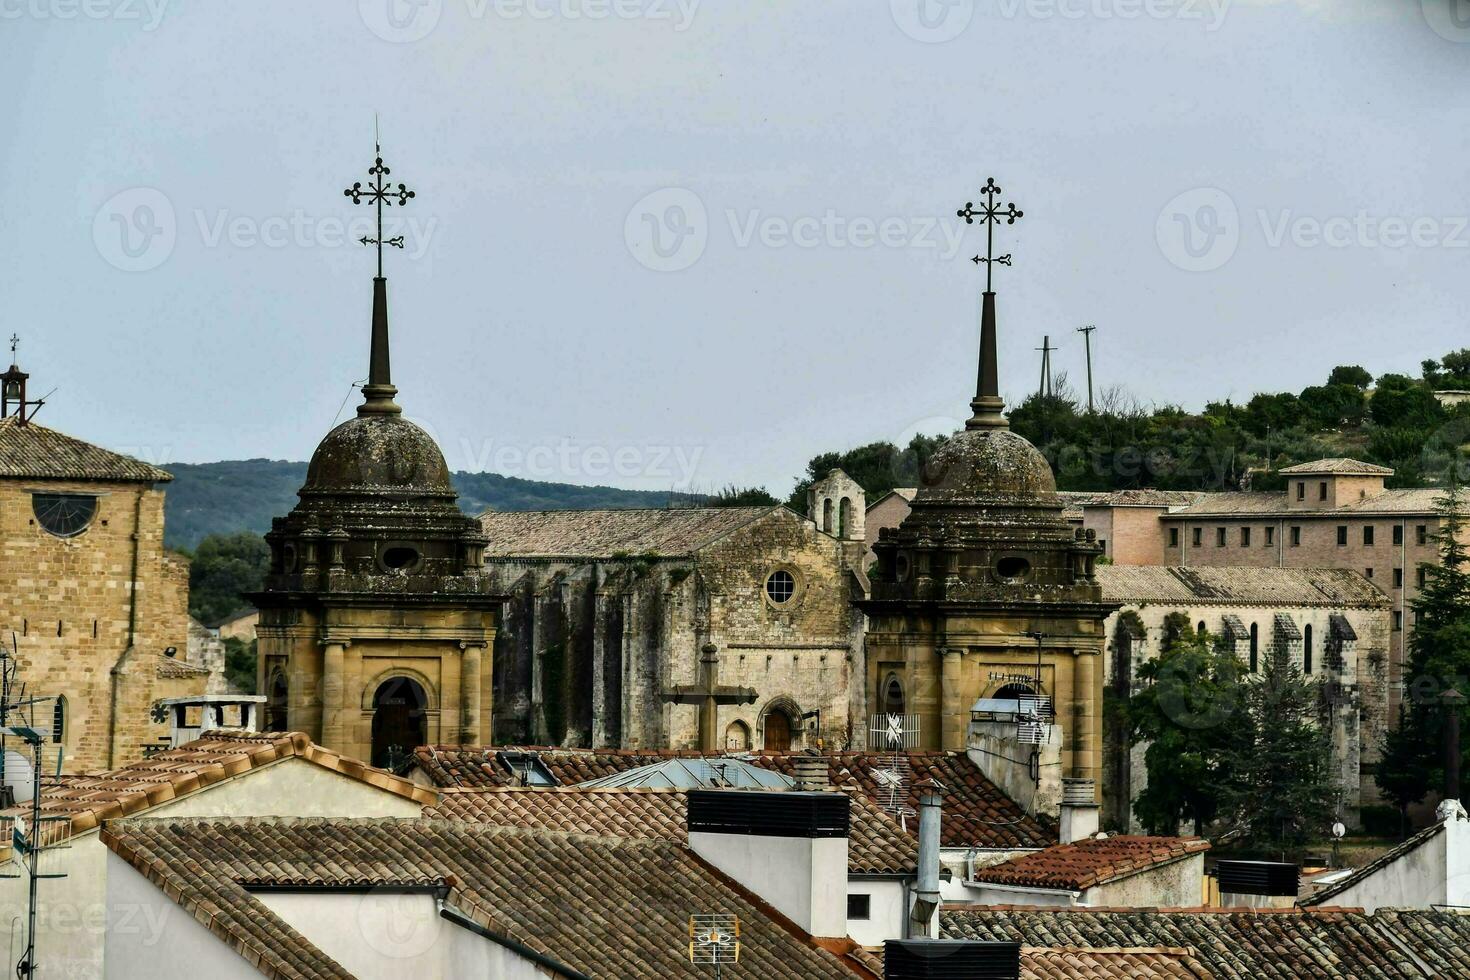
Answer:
(14, 343)
(379, 193)
(990, 213)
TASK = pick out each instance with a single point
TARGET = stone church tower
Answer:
(985, 591)
(376, 619)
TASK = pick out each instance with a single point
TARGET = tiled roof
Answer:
(1091, 861)
(36, 452)
(606, 533)
(174, 667)
(1237, 503)
(1231, 585)
(877, 844)
(1115, 963)
(90, 798)
(1339, 466)
(1233, 944)
(613, 908)
(1140, 497)
(977, 813)
(1441, 938)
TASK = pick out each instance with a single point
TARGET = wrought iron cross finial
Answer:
(990, 214)
(380, 193)
(14, 343)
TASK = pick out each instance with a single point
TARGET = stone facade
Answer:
(609, 610)
(1331, 623)
(95, 602)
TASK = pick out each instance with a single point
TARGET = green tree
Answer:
(1192, 692)
(877, 467)
(1350, 374)
(1332, 405)
(223, 567)
(733, 496)
(1439, 658)
(240, 660)
(1402, 402)
(1280, 760)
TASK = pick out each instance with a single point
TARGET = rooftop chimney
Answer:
(950, 959)
(1079, 817)
(1453, 702)
(789, 848)
(923, 915)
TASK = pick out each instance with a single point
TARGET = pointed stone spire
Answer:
(379, 391)
(987, 403)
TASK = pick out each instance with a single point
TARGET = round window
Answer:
(400, 557)
(780, 586)
(1013, 568)
(64, 514)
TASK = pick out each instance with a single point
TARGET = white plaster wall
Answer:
(803, 878)
(886, 911)
(993, 748)
(980, 893)
(149, 936)
(379, 935)
(1176, 885)
(73, 911)
(1416, 880)
(955, 860)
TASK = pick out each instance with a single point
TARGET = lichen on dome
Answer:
(979, 464)
(375, 454)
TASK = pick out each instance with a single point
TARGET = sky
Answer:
(692, 243)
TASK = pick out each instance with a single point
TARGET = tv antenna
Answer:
(894, 735)
(714, 940)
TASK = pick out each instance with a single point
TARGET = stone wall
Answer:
(69, 604)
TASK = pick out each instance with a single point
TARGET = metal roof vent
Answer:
(1269, 878)
(949, 959)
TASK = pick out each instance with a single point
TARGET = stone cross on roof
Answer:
(709, 694)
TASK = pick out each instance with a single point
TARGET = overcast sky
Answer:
(662, 242)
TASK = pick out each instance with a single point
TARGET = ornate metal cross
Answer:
(379, 193)
(990, 213)
(14, 343)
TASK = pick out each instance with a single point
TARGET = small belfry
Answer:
(377, 618)
(984, 596)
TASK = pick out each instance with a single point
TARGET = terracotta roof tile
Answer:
(174, 667)
(977, 813)
(1340, 465)
(1241, 944)
(1246, 503)
(615, 908)
(1113, 963)
(1091, 861)
(605, 533)
(36, 452)
(1226, 585)
(877, 845)
(90, 798)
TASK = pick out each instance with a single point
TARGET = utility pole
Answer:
(1045, 391)
(1453, 701)
(1086, 333)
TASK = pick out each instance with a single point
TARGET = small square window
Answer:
(1398, 534)
(1173, 537)
(1296, 537)
(1419, 576)
(1219, 537)
(1398, 578)
(1398, 620)
(1367, 573)
(1421, 534)
(1341, 535)
(1301, 490)
(859, 906)
(1322, 490)
(1245, 537)
(1367, 534)
(1198, 533)
(1270, 536)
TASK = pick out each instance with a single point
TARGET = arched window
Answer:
(1307, 649)
(827, 515)
(893, 699)
(58, 721)
(276, 718)
(737, 737)
(844, 518)
(1255, 648)
(1200, 629)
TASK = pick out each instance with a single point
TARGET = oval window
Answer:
(780, 586)
(1013, 568)
(400, 557)
(901, 568)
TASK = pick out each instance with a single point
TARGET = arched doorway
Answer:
(275, 705)
(893, 699)
(400, 723)
(737, 737)
(777, 732)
